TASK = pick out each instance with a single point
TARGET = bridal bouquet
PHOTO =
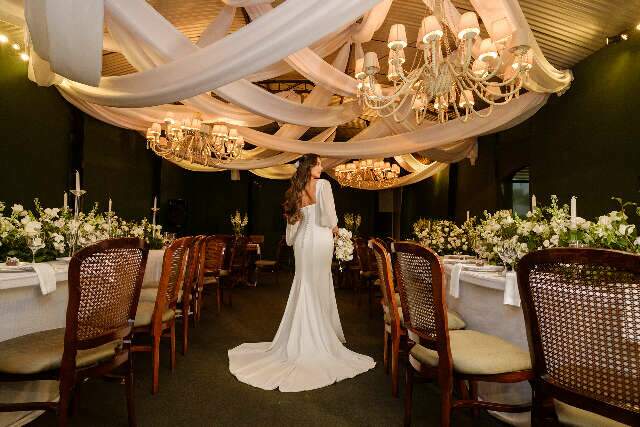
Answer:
(343, 246)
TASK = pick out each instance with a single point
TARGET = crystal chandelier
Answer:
(369, 173)
(195, 142)
(453, 75)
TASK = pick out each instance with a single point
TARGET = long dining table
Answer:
(24, 309)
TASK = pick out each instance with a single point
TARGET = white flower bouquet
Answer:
(443, 236)
(343, 246)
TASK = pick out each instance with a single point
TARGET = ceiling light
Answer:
(24, 56)
(638, 27)
(624, 36)
(15, 46)
(3, 38)
(617, 38)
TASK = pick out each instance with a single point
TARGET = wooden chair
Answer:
(582, 312)
(449, 357)
(192, 284)
(368, 274)
(272, 265)
(216, 249)
(104, 286)
(395, 332)
(157, 319)
(237, 270)
(388, 241)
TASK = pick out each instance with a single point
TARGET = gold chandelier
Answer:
(195, 142)
(451, 77)
(369, 173)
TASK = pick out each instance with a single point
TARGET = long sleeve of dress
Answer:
(290, 235)
(326, 213)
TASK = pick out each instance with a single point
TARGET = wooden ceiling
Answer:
(567, 30)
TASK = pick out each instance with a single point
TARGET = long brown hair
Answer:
(299, 180)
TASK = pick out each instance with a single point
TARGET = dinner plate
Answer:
(22, 266)
(484, 268)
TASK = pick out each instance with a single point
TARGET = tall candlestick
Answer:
(65, 201)
(77, 181)
(467, 215)
(573, 211)
(154, 210)
(533, 202)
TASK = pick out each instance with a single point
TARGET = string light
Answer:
(23, 55)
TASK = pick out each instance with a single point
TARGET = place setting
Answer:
(318, 213)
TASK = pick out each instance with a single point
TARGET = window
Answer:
(519, 192)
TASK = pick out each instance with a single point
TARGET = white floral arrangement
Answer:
(443, 236)
(57, 228)
(343, 245)
(352, 222)
(239, 223)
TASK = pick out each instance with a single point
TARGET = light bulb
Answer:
(15, 46)
(4, 39)
(24, 56)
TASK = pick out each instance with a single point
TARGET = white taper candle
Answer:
(533, 202)
(573, 211)
(65, 200)
(77, 181)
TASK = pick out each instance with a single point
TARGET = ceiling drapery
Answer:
(293, 36)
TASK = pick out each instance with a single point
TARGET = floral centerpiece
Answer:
(443, 236)
(52, 232)
(343, 246)
(352, 222)
(239, 223)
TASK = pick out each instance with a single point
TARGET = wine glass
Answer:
(35, 243)
(508, 254)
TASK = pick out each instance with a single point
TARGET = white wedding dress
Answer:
(307, 351)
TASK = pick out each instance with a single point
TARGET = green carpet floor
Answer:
(202, 392)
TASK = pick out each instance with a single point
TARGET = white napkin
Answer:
(511, 291)
(46, 276)
(454, 281)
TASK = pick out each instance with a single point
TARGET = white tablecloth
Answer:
(24, 310)
(481, 305)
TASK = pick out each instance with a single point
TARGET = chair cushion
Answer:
(455, 320)
(576, 417)
(476, 353)
(150, 295)
(145, 311)
(210, 280)
(265, 263)
(42, 351)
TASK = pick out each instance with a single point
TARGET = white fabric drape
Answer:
(423, 138)
(284, 30)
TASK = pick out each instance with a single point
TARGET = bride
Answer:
(307, 351)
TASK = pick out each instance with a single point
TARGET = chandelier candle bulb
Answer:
(466, 99)
(468, 25)
(371, 64)
(432, 29)
(487, 50)
(397, 37)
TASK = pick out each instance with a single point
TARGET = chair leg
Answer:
(66, 389)
(386, 351)
(408, 395)
(473, 394)
(128, 381)
(445, 403)
(395, 356)
(185, 330)
(219, 296)
(155, 383)
(172, 332)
